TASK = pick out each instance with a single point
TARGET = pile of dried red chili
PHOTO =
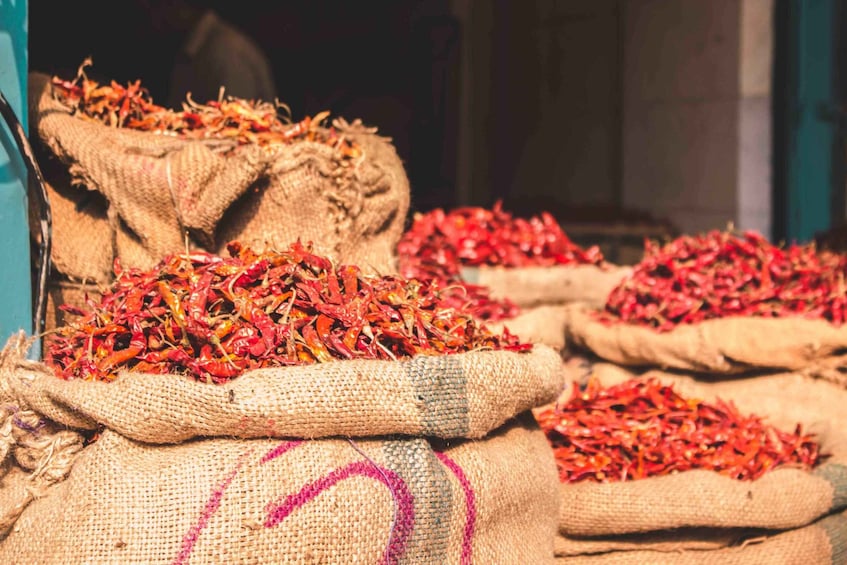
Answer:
(229, 119)
(720, 274)
(479, 236)
(641, 428)
(439, 244)
(214, 317)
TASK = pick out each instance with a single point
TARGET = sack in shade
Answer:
(82, 243)
(561, 284)
(413, 461)
(823, 542)
(733, 345)
(160, 188)
(597, 516)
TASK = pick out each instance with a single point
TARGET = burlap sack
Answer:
(404, 500)
(543, 324)
(822, 543)
(161, 189)
(533, 286)
(82, 243)
(453, 396)
(721, 346)
(681, 539)
(784, 498)
(180, 471)
(356, 213)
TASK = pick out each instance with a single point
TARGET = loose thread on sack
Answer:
(20, 423)
(391, 488)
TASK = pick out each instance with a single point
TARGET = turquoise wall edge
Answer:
(15, 274)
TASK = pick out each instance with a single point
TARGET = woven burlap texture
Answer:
(170, 443)
(162, 190)
(400, 500)
(541, 324)
(821, 543)
(783, 498)
(732, 345)
(680, 539)
(82, 243)
(465, 395)
(560, 284)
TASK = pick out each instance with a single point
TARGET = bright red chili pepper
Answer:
(641, 428)
(239, 120)
(439, 243)
(721, 274)
(213, 318)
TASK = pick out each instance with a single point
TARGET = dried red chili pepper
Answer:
(641, 428)
(228, 119)
(720, 274)
(478, 236)
(439, 243)
(214, 317)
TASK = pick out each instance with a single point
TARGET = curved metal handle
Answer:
(45, 217)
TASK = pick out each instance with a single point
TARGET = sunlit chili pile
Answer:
(439, 243)
(229, 119)
(214, 317)
(641, 428)
(720, 274)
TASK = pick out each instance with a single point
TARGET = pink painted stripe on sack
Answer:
(214, 501)
(208, 511)
(470, 506)
(280, 449)
(404, 521)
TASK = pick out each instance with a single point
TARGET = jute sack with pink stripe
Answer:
(734, 345)
(707, 510)
(160, 188)
(410, 461)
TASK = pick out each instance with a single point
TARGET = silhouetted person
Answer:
(210, 53)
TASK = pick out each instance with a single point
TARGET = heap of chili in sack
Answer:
(641, 428)
(439, 244)
(720, 274)
(228, 119)
(214, 317)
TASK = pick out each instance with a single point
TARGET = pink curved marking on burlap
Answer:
(214, 501)
(470, 506)
(208, 511)
(404, 520)
(280, 449)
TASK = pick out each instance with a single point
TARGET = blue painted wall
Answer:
(15, 279)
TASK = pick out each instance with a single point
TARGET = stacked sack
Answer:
(518, 272)
(272, 406)
(730, 320)
(132, 180)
